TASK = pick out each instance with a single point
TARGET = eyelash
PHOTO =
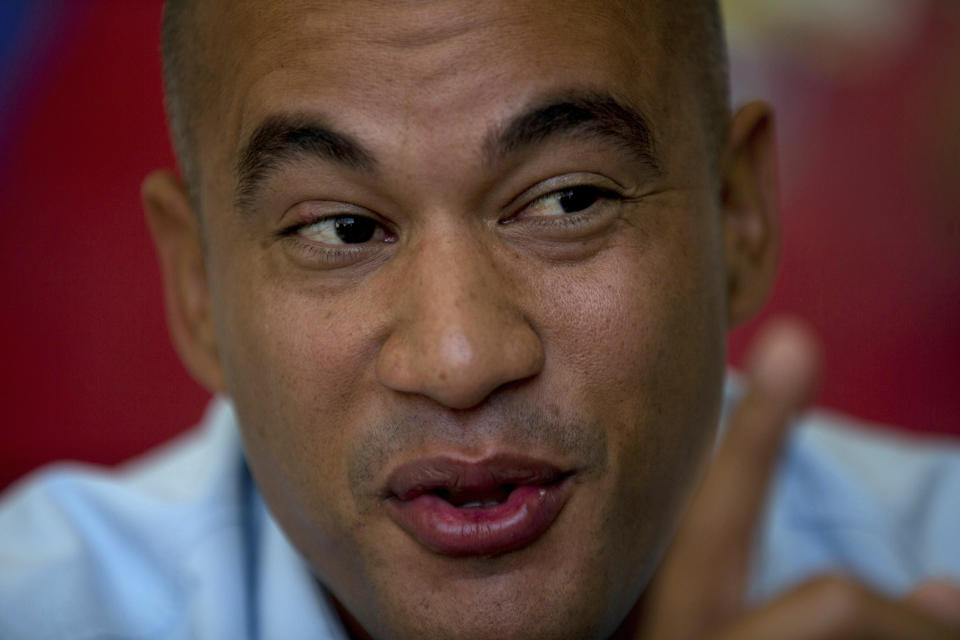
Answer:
(329, 256)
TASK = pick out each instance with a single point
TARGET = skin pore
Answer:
(542, 259)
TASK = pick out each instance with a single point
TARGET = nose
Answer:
(459, 329)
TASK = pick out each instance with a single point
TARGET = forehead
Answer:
(380, 69)
(378, 30)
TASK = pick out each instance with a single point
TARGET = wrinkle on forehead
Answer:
(412, 23)
(432, 22)
(439, 36)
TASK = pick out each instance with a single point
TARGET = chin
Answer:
(501, 612)
(555, 588)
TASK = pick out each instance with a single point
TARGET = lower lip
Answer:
(515, 523)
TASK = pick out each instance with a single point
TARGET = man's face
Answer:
(470, 312)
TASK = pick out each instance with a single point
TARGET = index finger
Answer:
(704, 576)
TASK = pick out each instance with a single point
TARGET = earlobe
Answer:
(751, 211)
(176, 233)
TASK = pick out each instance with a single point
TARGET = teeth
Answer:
(474, 505)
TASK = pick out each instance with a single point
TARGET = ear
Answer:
(751, 211)
(177, 235)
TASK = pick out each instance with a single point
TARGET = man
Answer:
(464, 273)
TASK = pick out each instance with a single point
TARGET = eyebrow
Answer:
(283, 138)
(589, 115)
(280, 139)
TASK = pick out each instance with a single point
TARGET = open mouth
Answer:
(476, 508)
(474, 498)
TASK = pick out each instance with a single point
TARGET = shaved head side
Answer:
(173, 45)
(182, 59)
(691, 32)
(190, 76)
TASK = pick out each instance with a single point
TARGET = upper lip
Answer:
(413, 479)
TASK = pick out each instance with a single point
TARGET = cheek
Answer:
(277, 343)
(296, 365)
(295, 360)
(642, 349)
(642, 324)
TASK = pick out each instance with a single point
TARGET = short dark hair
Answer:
(692, 31)
(184, 67)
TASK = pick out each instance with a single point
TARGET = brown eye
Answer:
(343, 230)
(354, 229)
(577, 198)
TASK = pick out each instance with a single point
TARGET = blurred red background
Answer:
(871, 223)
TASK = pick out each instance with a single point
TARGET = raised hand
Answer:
(700, 589)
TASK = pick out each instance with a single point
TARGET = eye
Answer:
(569, 200)
(344, 230)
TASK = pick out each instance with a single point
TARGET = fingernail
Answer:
(786, 360)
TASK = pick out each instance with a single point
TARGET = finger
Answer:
(939, 598)
(783, 368)
(704, 575)
(836, 607)
(782, 371)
